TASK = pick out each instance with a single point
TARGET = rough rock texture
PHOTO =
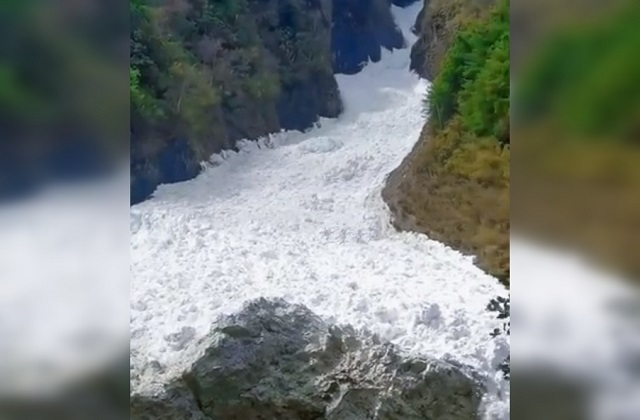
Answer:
(173, 163)
(437, 25)
(303, 101)
(274, 360)
(297, 33)
(361, 28)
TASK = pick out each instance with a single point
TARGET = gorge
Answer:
(299, 216)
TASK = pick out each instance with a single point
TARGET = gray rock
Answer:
(274, 360)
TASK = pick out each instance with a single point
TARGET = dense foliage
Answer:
(202, 67)
(474, 80)
(168, 80)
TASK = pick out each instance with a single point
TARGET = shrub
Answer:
(474, 80)
(142, 100)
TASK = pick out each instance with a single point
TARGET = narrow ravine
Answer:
(300, 216)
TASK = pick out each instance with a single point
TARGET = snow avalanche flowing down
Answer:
(300, 216)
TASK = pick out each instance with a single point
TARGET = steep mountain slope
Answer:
(299, 216)
(207, 73)
(454, 185)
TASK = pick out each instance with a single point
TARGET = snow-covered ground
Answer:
(300, 216)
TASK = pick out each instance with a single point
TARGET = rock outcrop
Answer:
(274, 360)
(437, 25)
(361, 28)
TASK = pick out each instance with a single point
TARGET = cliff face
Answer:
(244, 69)
(437, 25)
(361, 28)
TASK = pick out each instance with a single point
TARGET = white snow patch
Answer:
(321, 145)
(303, 219)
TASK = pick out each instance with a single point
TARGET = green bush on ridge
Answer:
(474, 80)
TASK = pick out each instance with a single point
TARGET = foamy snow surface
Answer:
(300, 216)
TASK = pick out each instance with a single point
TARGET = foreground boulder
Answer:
(274, 360)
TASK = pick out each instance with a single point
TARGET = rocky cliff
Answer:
(222, 71)
(206, 73)
(361, 28)
(274, 360)
(437, 25)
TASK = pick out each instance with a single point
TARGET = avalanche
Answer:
(300, 216)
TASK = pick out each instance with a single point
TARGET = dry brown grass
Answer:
(454, 187)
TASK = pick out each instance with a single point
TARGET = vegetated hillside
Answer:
(206, 73)
(578, 96)
(437, 25)
(454, 186)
